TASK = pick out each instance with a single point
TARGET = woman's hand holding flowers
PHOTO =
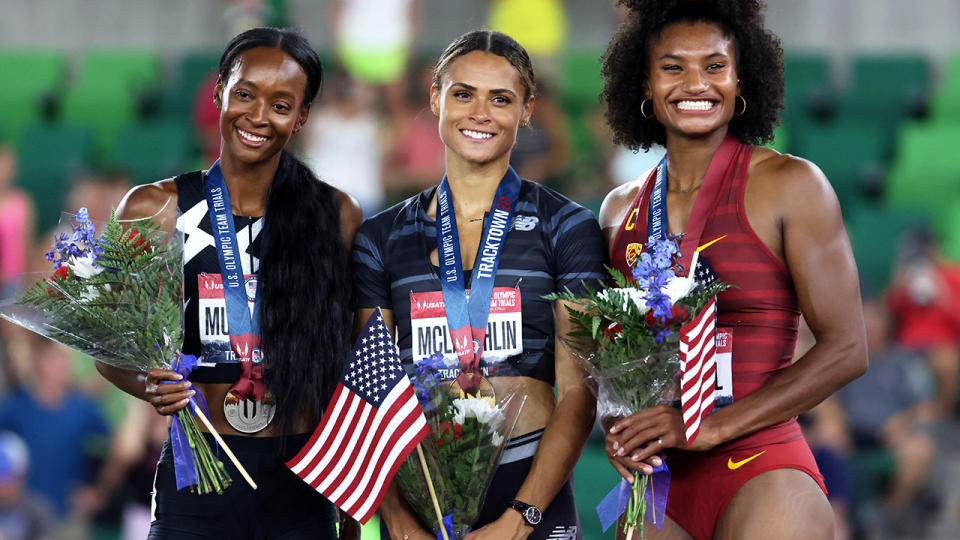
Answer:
(167, 397)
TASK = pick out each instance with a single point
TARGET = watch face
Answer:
(533, 515)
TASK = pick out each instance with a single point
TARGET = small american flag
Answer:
(698, 368)
(373, 421)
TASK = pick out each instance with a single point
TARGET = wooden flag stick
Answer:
(233, 458)
(693, 270)
(433, 494)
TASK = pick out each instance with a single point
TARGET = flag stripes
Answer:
(372, 422)
(698, 368)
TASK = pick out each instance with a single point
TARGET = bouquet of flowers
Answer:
(117, 297)
(446, 480)
(628, 340)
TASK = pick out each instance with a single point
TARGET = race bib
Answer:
(214, 333)
(723, 392)
(428, 323)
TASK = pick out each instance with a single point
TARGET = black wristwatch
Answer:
(531, 514)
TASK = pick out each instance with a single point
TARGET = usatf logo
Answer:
(525, 223)
(251, 286)
(633, 251)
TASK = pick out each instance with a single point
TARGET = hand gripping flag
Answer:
(698, 368)
(373, 421)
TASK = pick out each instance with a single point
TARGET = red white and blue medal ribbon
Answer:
(467, 317)
(702, 207)
(244, 328)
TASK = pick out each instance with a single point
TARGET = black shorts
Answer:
(282, 507)
(560, 518)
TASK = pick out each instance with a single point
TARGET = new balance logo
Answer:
(525, 223)
(563, 533)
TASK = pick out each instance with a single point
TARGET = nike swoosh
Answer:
(733, 465)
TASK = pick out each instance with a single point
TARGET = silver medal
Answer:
(248, 416)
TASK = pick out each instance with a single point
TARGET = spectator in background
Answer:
(206, 118)
(342, 144)
(542, 151)
(22, 516)
(539, 25)
(925, 303)
(16, 224)
(890, 407)
(415, 150)
(373, 39)
(63, 429)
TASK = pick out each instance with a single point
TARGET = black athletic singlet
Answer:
(205, 332)
(552, 243)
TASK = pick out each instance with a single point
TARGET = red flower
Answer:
(613, 331)
(679, 313)
(140, 241)
(61, 273)
(457, 432)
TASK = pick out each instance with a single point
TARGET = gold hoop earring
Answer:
(647, 116)
(735, 113)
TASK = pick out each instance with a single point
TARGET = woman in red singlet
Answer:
(706, 80)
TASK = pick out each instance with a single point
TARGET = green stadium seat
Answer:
(945, 104)
(580, 82)
(105, 111)
(34, 76)
(151, 152)
(875, 230)
(781, 139)
(806, 82)
(925, 175)
(133, 69)
(193, 68)
(950, 233)
(48, 157)
(883, 88)
(846, 153)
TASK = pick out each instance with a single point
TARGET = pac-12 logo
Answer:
(633, 251)
(476, 346)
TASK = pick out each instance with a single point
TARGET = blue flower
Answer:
(661, 335)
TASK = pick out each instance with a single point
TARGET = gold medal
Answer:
(484, 389)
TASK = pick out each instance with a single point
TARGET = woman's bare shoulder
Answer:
(149, 201)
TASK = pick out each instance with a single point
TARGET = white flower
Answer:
(628, 294)
(676, 288)
(479, 408)
(496, 439)
(84, 267)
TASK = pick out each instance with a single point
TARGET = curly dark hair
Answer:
(626, 66)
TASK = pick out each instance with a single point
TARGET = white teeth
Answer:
(698, 105)
(476, 134)
(250, 136)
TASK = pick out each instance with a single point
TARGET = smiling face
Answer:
(261, 104)
(693, 79)
(480, 104)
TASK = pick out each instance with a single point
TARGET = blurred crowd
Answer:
(77, 456)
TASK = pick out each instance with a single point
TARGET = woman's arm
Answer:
(816, 250)
(159, 202)
(561, 445)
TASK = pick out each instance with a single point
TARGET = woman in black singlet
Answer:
(293, 234)
(483, 93)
